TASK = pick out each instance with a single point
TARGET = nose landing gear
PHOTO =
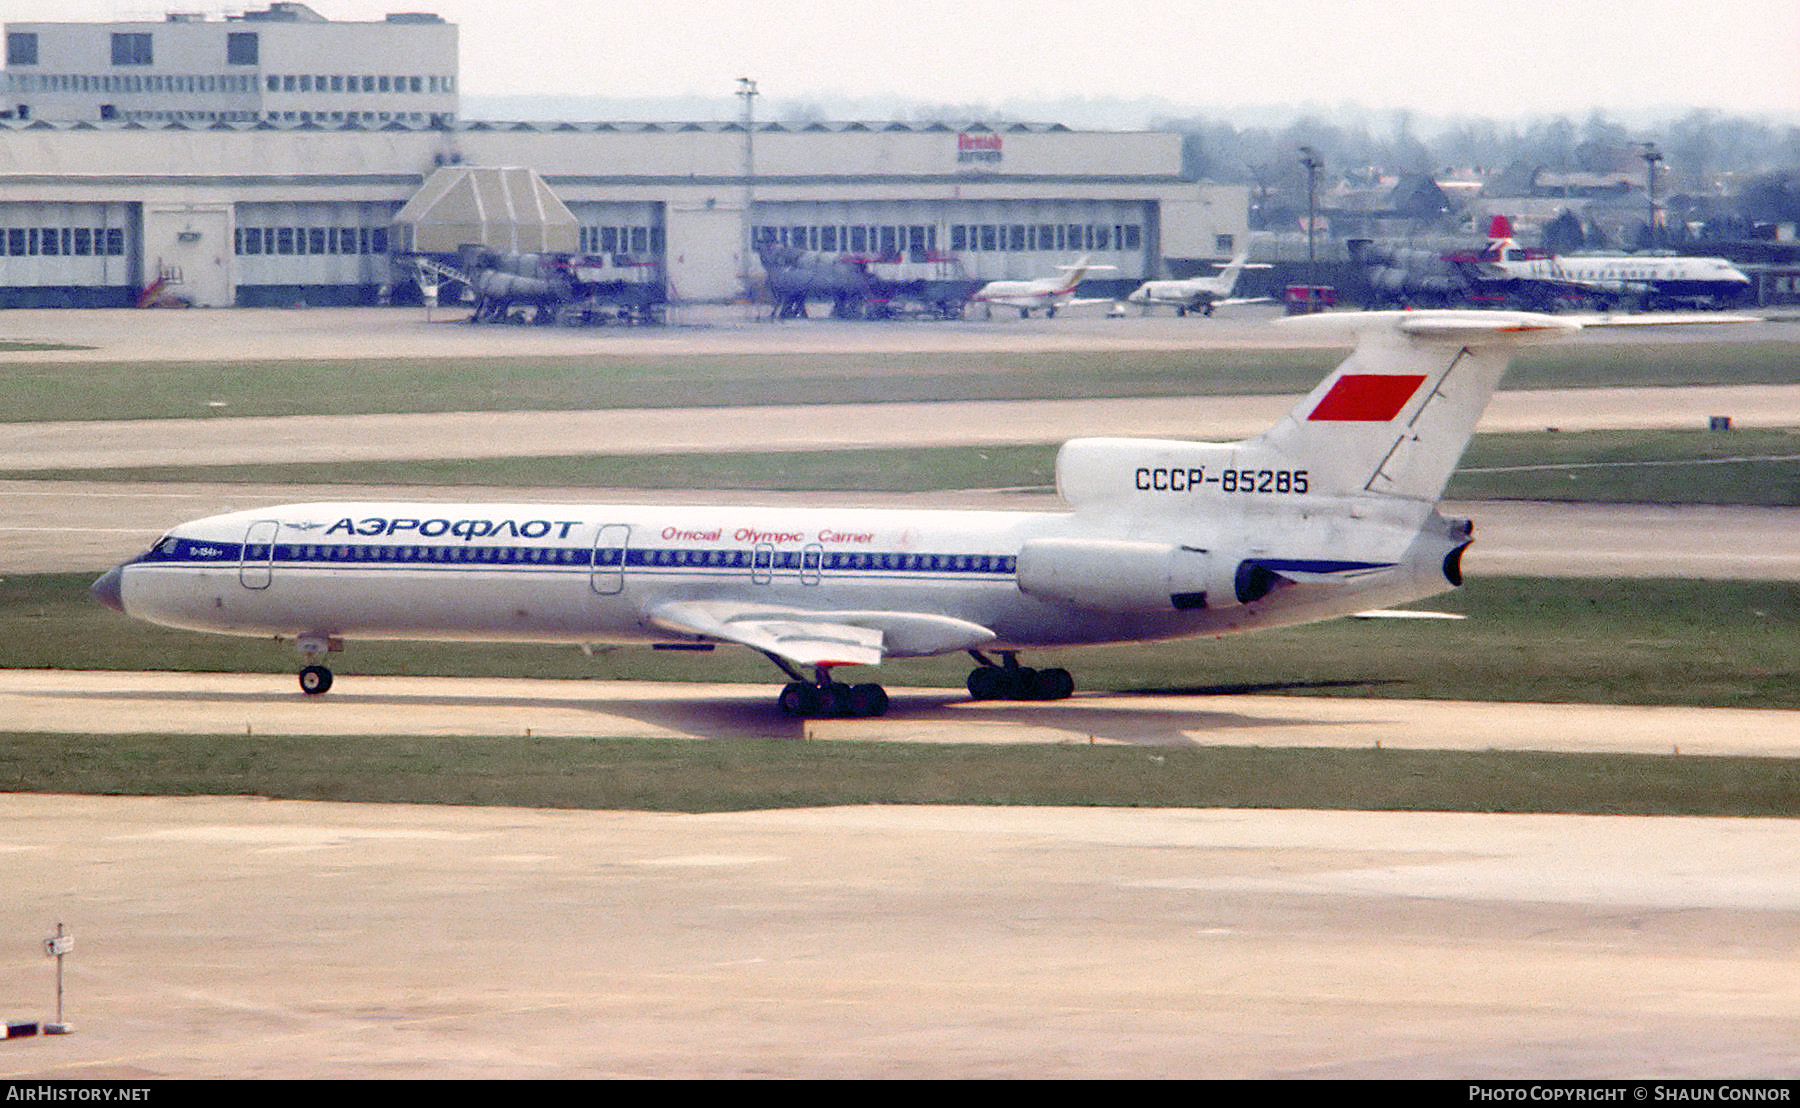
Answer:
(315, 679)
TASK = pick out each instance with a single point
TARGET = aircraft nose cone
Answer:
(106, 590)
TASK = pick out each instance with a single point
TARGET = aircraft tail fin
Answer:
(1394, 418)
(1228, 276)
(1072, 274)
(1390, 422)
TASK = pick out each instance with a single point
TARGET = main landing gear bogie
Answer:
(1020, 683)
(810, 700)
(1012, 681)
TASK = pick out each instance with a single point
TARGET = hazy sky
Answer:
(1436, 57)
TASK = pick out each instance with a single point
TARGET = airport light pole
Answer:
(1310, 159)
(747, 90)
(1651, 157)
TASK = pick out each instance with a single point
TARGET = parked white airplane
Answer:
(1329, 513)
(1650, 280)
(1044, 294)
(1198, 294)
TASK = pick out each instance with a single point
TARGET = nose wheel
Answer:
(315, 680)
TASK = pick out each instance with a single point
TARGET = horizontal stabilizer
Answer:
(1663, 319)
(1466, 328)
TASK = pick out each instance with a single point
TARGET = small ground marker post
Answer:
(57, 946)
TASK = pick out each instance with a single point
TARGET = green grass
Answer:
(139, 390)
(1755, 467)
(920, 469)
(1705, 643)
(34, 391)
(687, 776)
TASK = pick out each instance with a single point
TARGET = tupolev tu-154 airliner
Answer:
(1330, 512)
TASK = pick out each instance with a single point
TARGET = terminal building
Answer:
(195, 163)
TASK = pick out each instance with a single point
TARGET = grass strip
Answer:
(1759, 467)
(922, 469)
(35, 391)
(739, 775)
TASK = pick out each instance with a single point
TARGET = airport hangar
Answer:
(110, 213)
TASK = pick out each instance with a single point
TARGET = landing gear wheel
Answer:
(315, 680)
(799, 699)
(868, 700)
(1055, 684)
(985, 682)
(1021, 683)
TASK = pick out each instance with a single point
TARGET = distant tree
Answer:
(1562, 235)
(1771, 198)
(1692, 146)
(1703, 148)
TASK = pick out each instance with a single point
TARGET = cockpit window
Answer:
(165, 545)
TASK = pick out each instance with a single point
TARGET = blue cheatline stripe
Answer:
(1317, 565)
(188, 552)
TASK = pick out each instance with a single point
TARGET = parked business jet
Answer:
(1198, 294)
(1045, 294)
(1329, 513)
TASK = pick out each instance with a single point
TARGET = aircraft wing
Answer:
(809, 638)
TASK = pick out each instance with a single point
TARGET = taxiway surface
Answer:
(53, 701)
(244, 938)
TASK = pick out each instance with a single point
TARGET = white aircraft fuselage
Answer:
(1658, 277)
(1330, 512)
(533, 573)
(1195, 294)
(1045, 294)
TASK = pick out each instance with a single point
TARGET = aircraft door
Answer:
(610, 542)
(256, 565)
(812, 561)
(762, 564)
